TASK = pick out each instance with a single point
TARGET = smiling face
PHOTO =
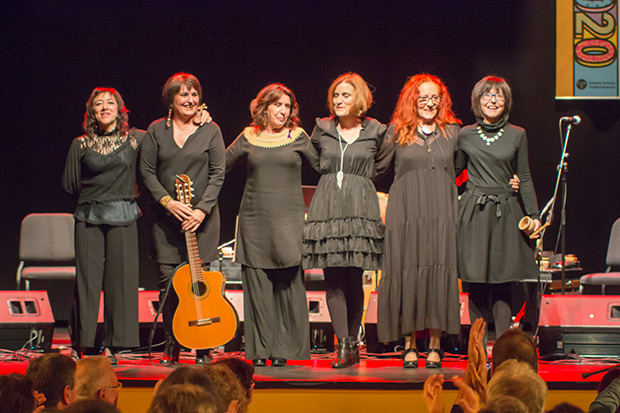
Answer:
(278, 113)
(185, 103)
(105, 108)
(428, 102)
(343, 99)
(492, 107)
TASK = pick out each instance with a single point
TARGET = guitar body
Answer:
(204, 318)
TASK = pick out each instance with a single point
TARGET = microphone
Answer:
(575, 120)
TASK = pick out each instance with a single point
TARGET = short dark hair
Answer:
(176, 82)
(515, 344)
(16, 394)
(243, 370)
(195, 376)
(182, 398)
(50, 374)
(91, 406)
(485, 85)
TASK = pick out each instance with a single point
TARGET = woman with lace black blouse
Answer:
(101, 172)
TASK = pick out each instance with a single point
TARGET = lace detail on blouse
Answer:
(106, 144)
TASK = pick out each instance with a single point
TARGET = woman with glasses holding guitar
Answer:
(182, 144)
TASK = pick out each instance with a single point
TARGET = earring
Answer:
(169, 118)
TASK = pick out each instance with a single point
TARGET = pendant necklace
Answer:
(491, 139)
(340, 174)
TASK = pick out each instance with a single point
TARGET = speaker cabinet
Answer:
(26, 320)
(584, 325)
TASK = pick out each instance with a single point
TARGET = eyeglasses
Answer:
(118, 385)
(425, 99)
(500, 97)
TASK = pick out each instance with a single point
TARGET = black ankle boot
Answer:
(171, 352)
(355, 349)
(344, 354)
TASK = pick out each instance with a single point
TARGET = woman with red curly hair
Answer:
(419, 288)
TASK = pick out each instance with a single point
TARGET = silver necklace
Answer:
(491, 139)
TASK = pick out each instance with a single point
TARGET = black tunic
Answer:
(344, 227)
(271, 216)
(202, 158)
(419, 286)
(491, 248)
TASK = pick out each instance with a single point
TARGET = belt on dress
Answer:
(483, 196)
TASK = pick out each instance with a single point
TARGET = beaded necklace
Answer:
(491, 139)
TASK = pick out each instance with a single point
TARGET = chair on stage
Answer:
(46, 248)
(608, 282)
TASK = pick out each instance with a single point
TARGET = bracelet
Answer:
(164, 201)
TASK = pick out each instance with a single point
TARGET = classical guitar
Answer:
(204, 318)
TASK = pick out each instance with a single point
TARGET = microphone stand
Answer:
(561, 178)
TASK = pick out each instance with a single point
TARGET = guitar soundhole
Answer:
(199, 289)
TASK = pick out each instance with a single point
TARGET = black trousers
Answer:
(491, 302)
(275, 312)
(345, 299)
(106, 259)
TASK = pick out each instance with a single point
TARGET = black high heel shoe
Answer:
(345, 354)
(171, 352)
(433, 364)
(278, 362)
(410, 364)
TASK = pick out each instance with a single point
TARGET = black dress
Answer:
(343, 227)
(419, 285)
(491, 248)
(268, 242)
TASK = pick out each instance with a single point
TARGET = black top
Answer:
(202, 159)
(271, 216)
(101, 172)
(493, 165)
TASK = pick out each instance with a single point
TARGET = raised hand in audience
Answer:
(467, 398)
(476, 372)
(433, 387)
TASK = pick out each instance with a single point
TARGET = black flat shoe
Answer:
(109, 354)
(203, 357)
(433, 364)
(171, 353)
(410, 364)
(77, 353)
(278, 362)
(259, 362)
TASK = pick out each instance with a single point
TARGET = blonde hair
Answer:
(363, 95)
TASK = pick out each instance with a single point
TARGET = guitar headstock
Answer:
(184, 189)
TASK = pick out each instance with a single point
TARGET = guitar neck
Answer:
(193, 256)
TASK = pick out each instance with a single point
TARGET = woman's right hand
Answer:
(179, 210)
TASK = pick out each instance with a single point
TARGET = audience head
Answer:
(360, 95)
(228, 386)
(270, 95)
(16, 394)
(517, 379)
(53, 375)
(91, 406)
(95, 378)
(565, 408)
(183, 398)
(244, 372)
(505, 404)
(515, 344)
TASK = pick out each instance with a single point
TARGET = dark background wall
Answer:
(54, 53)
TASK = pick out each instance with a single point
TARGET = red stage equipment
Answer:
(585, 325)
(26, 320)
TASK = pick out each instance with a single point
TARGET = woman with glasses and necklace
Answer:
(419, 286)
(492, 251)
(343, 233)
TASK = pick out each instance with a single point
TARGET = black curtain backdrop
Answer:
(55, 52)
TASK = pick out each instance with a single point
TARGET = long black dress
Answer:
(268, 242)
(344, 227)
(419, 285)
(491, 248)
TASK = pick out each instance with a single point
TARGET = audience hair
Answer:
(50, 374)
(228, 385)
(505, 404)
(515, 344)
(517, 379)
(183, 398)
(89, 377)
(91, 406)
(244, 372)
(16, 394)
(195, 376)
(565, 408)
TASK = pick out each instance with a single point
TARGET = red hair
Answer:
(406, 115)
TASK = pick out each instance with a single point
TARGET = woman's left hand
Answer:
(192, 223)
(515, 182)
